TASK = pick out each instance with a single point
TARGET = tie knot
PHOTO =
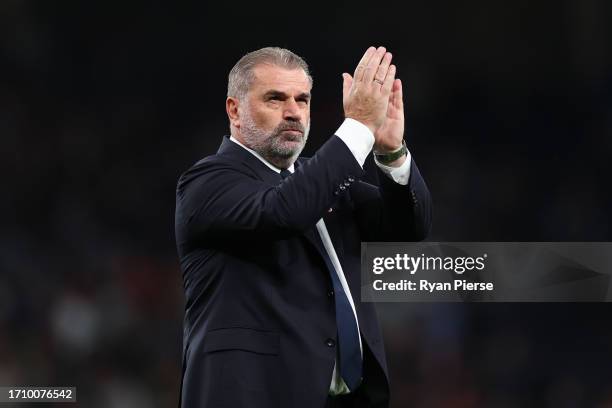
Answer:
(285, 173)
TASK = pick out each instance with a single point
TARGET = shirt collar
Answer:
(264, 161)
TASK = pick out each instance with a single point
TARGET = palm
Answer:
(390, 134)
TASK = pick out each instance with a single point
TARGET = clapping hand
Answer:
(374, 97)
(365, 96)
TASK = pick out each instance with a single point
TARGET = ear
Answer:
(231, 107)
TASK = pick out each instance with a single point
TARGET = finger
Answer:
(398, 98)
(363, 63)
(370, 71)
(367, 55)
(389, 79)
(381, 73)
(347, 81)
(397, 84)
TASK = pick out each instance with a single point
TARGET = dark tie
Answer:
(285, 173)
(348, 336)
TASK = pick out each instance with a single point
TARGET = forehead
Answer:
(269, 77)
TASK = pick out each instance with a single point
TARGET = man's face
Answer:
(275, 117)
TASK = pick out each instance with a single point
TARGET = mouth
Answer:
(293, 135)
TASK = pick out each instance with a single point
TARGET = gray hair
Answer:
(241, 76)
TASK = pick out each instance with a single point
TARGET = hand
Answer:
(388, 137)
(366, 96)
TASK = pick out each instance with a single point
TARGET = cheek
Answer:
(267, 118)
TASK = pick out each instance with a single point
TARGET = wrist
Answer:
(391, 156)
(397, 163)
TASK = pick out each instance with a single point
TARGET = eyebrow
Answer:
(281, 94)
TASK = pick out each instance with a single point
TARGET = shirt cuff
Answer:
(400, 174)
(357, 137)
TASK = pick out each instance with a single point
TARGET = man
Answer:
(269, 244)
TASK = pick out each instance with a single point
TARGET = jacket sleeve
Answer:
(388, 211)
(219, 198)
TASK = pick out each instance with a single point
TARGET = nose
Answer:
(292, 110)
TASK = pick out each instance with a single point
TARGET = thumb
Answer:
(347, 81)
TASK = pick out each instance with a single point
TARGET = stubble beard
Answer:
(277, 147)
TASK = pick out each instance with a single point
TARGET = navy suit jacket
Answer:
(260, 326)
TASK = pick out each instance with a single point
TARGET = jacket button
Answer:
(330, 293)
(330, 342)
(342, 187)
(351, 179)
(346, 183)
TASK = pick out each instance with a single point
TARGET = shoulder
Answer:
(212, 166)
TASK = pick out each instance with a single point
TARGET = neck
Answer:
(280, 162)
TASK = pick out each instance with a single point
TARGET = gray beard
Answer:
(271, 145)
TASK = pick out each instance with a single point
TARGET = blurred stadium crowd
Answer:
(104, 104)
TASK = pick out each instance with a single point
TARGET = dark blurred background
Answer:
(104, 103)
